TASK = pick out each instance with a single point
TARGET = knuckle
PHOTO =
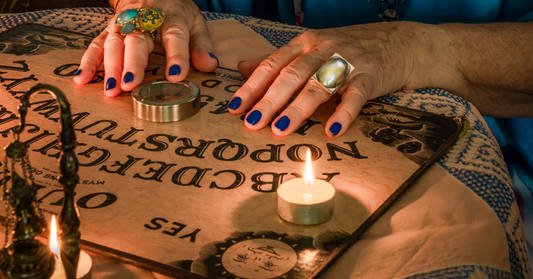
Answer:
(96, 45)
(134, 64)
(136, 37)
(247, 87)
(100, 40)
(318, 91)
(113, 40)
(113, 69)
(269, 102)
(175, 57)
(311, 35)
(174, 31)
(90, 60)
(345, 110)
(355, 92)
(300, 110)
(308, 34)
(291, 74)
(268, 65)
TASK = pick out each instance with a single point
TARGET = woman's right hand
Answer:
(385, 56)
(184, 36)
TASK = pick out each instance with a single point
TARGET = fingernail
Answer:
(335, 128)
(128, 77)
(110, 84)
(235, 103)
(78, 72)
(283, 123)
(254, 117)
(213, 56)
(174, 70)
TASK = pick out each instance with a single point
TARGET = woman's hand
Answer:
(184, 36)
(386, 57)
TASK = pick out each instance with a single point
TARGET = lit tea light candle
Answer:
(306, 201)
(84, 263)
(59, 271)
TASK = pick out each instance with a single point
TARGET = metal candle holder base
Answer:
(27, 257)
(293, 209)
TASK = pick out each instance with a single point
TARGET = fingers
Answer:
(301, 108)
(125, 59)
(175, 39)
(179, 41)
(91, 60)
(137, 47)
(113, 63)
(291, 79)
(246, 68)
(201, 46)
(272, 75)
(356, 93)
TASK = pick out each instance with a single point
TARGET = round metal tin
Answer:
(164, 101)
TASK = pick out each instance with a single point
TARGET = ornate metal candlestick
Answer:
(26, 257)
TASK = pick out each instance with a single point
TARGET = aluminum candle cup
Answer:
(305, 206)
(164, 101)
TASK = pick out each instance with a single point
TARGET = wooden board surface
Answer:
(200, 194)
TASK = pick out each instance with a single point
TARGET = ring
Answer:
(333, 73)
(142, 19)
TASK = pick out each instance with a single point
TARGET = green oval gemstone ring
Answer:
(142, 19)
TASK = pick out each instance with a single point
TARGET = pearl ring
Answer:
(333, 73)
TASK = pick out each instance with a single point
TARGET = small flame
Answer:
(309, 178)
(54, 244)
(307, 256)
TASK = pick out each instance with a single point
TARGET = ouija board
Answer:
(198, 197)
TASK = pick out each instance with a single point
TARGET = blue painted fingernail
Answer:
(128, 77)
(283, 123)
(335, 128)
(78, 72)
(254, 117)
(213, 56)
(235, 103)
(110, 84)
(174, 70)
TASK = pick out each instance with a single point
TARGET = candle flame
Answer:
(54, 244)
(309, 178)
(308, 255)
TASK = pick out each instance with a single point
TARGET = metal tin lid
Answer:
(164, 101)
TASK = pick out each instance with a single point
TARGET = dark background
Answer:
(20, 6)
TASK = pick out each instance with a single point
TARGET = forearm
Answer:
(490, 65)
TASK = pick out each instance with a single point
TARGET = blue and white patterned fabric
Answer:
(476, 160)
(479, 165)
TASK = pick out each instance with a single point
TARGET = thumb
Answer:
(246, 68)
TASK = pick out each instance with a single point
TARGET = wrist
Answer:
(434, 63)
